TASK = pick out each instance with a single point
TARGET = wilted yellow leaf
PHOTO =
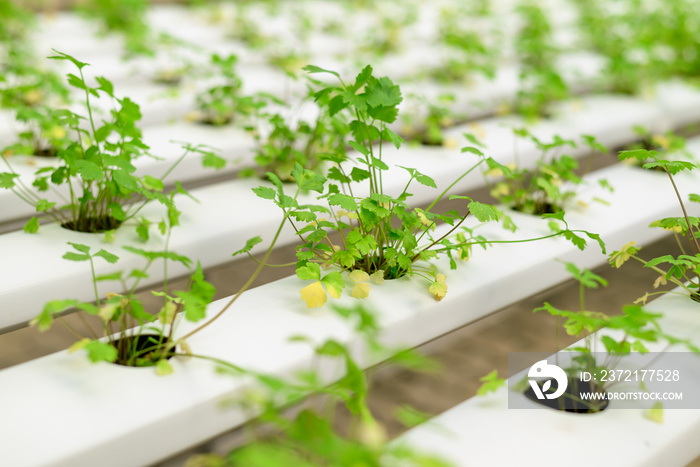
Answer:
(372, 434)
(79, 345)
(377, 277)
(661, 280)
(185, 347)
(107, 311)
(623, 255)
(55, 132)
(358, 276)
(167, 313)
(314, 295)
(642, 299)
(661, 140)
(450, 143)
(438, 290)
(361, 290)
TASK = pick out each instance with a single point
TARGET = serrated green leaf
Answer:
(7, 180)
(101, 352)
(32, 225)
(89, 170)
(265, 192)
(109, 257)
(249, 244)
(483, 212)
(344, 201)
(312, 271)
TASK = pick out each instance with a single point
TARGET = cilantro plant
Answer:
(682, 269)
(471, 51)
(33, 94)
(312, 437)
(130, 335)
(631, 330)
(541, 84)
(16, 23)
(126, 17)
(379, 236)
(669, 145)
(221, 103)
(428, 129)
(282, 142)
(614, 335)
(247, 30)
(548, 186)
(627, 68)
(95, 166)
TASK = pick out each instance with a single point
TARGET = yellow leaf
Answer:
(314, 295)
(185, 347)
(501, 189)
(79, 345)
(361, 291)
(166, 315)
(478, 130)
(424, 219)
(642, 300)
(193, 116)
(358, 276)
(372, 434)
(55, 132)
(495, 172)
(377, 277)
(661, 280)
(163, 368)
(438, 290)
(32, 96)
(661, 140)
(503, 109)
(107, 311)
(623, 255)
(450, 143)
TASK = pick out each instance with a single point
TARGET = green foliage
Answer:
(281, 144)
(631, 330)
(381, 236)
(683, 268)
(222, 103)
(428, 129)
(132, 339)
(310, 437)
(125, 17)
(490, 383)
(96, 164)
(541, 83)
(470, 51)
(543, 189)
